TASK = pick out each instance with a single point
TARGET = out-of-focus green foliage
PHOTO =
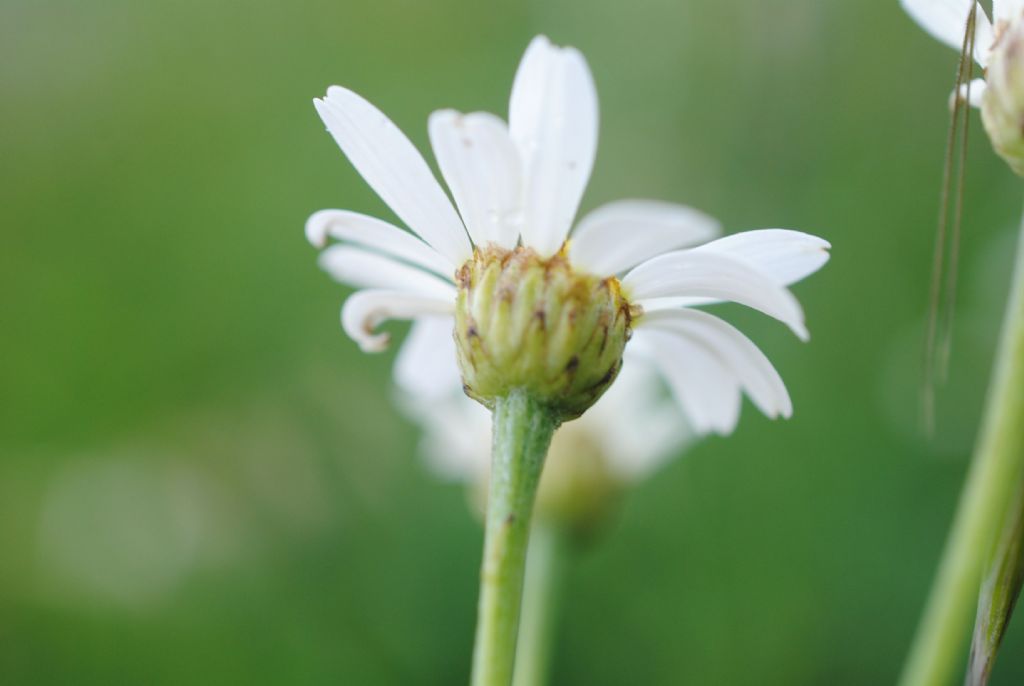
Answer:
(202, 481)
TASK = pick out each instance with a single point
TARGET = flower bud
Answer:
(526, 322)
(579, 490)
(1002, 103)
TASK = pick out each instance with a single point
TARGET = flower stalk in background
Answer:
(541, 321)
(987, 521)
(545, 571)
(984, 510)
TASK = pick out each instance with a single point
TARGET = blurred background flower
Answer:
(626, 435)
(203, 481)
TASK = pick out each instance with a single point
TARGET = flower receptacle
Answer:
(522, 321)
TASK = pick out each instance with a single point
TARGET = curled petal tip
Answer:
(316, 230)
(361, 327)
(365, 310)
(374, 343)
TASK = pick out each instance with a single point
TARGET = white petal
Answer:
(1007, 10)
(946, 21)
(378, 235)
(707, 390)
(364, 311)
(977, 88)
(622, 234)
(426, 365)
(786, 256)
(395, 170)
(984, 38)
(456, 435)
(481, 165)
(364, 269)
(553, 121)
(702, 274)
(754, 371)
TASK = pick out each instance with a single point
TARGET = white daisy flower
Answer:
(529, 306)
(999, 50)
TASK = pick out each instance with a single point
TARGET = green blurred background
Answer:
(202, 481)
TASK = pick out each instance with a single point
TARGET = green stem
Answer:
(522, 433)
(994, 474)
(999, 593)
(544, 570)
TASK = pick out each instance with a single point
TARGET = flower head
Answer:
(522, 321)
(999, 50)
(530, 306)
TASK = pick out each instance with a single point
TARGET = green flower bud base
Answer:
(523, 322)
